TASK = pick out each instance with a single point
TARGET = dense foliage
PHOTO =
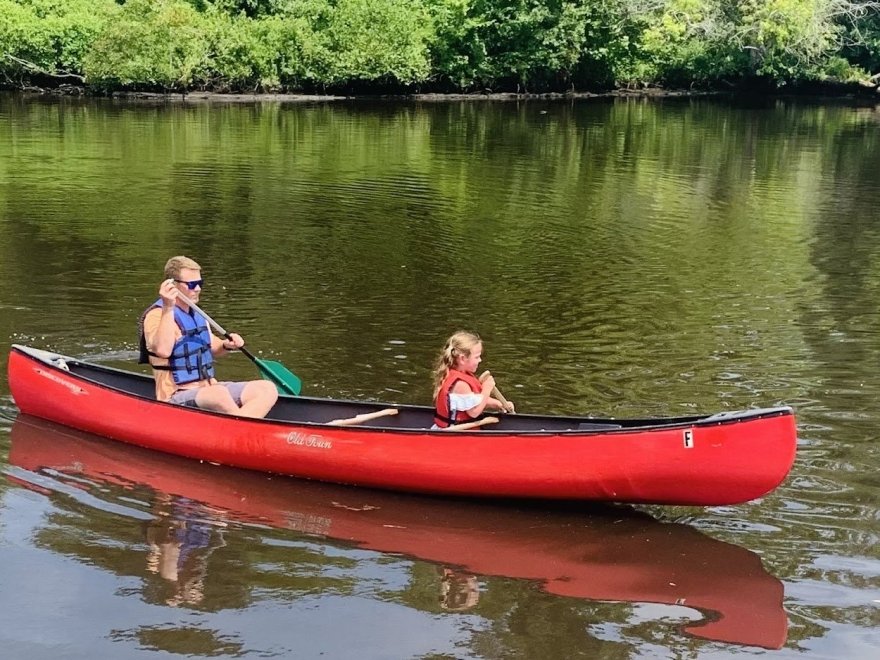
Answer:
(441, 45)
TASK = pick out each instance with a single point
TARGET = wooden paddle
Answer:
(471, 425)
(286, 381)
(495, 391)
(363, 417)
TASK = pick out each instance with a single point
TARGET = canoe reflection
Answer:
(609, 554)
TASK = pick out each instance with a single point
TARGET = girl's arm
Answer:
(477, 410)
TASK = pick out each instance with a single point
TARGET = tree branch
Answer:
(30, 66)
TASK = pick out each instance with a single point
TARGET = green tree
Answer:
(49, 36)
(368, 40)
(788, 37)
(154, 43)
(780, 40)
(249, 8)
(862, 39)
(449, 45)
(519, 42)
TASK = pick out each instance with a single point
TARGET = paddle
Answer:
(286, 381)
(496, 392)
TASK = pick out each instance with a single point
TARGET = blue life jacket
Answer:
(191, 358)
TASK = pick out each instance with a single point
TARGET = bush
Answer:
(244, 53)
(318, 43)
(520, 42)
(371, 45)
(152, 43)
(53, 35)
(370, 40)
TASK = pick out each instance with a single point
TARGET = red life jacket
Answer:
(441, 414)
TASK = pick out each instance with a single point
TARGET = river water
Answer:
(619, 257)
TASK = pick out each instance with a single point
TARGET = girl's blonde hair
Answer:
(459, 344)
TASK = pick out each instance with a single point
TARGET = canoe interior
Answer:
(306, 410)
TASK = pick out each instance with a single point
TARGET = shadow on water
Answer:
(188, 515)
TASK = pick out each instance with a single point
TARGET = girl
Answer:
(459, 396)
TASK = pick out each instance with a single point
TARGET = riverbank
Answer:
(830, 91)
(437, 50)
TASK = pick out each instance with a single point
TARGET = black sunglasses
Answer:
(191, 285)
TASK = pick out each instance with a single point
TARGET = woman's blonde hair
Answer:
(459, 344)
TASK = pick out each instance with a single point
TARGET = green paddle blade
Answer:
(285, 381)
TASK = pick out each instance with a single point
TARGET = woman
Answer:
(459, 396)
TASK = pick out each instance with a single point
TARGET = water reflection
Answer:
(194, 548)
(459, 590)
(181, 539)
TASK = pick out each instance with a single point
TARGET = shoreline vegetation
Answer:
(246, 50)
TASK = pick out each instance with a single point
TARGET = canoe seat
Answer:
(588, 426)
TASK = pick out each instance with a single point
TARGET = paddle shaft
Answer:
(497, 393)
(286, 381)
(215, 325)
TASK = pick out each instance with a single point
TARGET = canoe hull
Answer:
(698, 464)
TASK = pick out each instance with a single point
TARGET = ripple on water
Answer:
(8, 412)
(815, 485)
(614, 269)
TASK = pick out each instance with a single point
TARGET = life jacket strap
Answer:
(443, 420)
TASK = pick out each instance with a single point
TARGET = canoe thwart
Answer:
(471, 425)
(364, 417)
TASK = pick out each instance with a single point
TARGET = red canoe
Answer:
(612, 554)
(719, 459)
